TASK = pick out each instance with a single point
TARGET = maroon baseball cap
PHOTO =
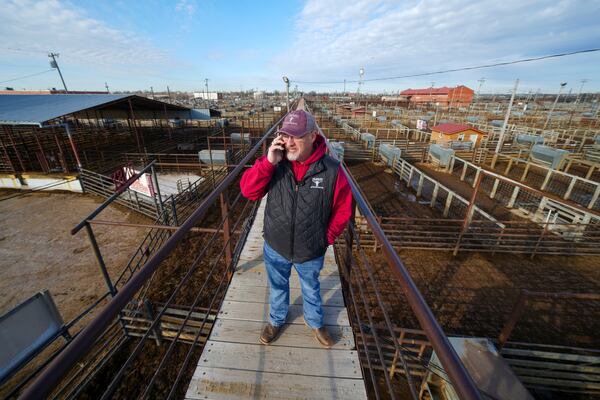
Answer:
(298, 123)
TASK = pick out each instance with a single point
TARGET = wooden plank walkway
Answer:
(234, 365)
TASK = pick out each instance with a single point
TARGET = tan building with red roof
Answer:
(451, 134)
(459, 96)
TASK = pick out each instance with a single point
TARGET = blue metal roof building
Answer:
(41, 109)
(37, 131)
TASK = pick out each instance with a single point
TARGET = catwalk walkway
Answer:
(234, 365)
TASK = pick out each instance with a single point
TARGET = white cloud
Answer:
(396, 37)
(53, 25)
(186, 6)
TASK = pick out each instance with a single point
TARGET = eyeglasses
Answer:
(295, 138)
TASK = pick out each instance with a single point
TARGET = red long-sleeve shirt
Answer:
(255, 181)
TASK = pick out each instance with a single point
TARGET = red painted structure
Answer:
(459, 96)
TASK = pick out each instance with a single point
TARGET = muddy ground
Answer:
(37, 250)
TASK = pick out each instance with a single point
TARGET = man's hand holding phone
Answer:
(275, 153)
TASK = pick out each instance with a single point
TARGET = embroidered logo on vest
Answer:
(317, 182)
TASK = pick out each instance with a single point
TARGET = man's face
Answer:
(299, 149)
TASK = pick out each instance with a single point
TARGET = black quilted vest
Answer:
(297, 214)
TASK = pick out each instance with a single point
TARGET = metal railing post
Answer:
(151, 317)
(98, 254)
(174, 211)
(226, 228)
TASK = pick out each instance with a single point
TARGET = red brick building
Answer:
(459, 96)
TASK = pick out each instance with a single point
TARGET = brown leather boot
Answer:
(323, 337)
(269, 333)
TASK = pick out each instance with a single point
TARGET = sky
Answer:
(250, 45)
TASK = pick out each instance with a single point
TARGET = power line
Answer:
(26, 76)
(524, 60)
(31, 51)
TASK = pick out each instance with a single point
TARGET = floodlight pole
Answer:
(506, 117)
(207, 95)
(54, 64)
(478, 92)
(287, 92)
(562, 85)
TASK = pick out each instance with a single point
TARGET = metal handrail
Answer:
(50, 377)
(455, 369)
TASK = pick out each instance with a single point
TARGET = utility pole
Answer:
(503, 131)
(169, 92)
(344, 87)
(431, 92)
(562, 85)
(287, 92)
(106, 86)
(152, 91)
(54, 64)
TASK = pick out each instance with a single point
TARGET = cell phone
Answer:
(283, 144)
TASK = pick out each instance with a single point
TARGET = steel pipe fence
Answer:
(562, 231)
(516, 195)
(104, 186)
(486, 236)
(581, 190)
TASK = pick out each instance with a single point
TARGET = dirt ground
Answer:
(37, 250)
(473, 293)
(386, 193)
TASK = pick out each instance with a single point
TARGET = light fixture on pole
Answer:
(287, 92)
(583, 81)
(478, 92)
(562, 85)
(361, 74)
(505, 124)
(207, 95)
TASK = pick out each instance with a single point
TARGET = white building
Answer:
(211, 95)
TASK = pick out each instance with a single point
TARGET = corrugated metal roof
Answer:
(32, 109)
(38, 109)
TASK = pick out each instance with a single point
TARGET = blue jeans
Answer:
(278, 272)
